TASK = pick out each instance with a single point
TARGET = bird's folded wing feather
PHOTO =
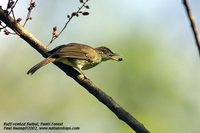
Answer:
(74, 51)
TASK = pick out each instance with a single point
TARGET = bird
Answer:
(79, 56)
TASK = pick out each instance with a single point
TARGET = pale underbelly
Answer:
(79, 63)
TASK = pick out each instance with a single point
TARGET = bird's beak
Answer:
(116, 57)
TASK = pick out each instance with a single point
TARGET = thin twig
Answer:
(193, 24)
(28, 15)
(10, 6)
(69, 19)
(11, 9)
(30, 8)
(2, 27)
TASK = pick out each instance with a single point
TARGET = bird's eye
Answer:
(120, 59)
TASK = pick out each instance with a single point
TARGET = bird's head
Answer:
(107, 54)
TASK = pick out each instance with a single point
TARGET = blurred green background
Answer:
(158, 81)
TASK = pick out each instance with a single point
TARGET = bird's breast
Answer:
(80, 63)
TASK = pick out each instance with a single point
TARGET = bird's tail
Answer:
(40, 64)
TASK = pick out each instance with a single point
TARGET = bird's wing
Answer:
(73, 50)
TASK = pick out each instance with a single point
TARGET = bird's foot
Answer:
(82, 75)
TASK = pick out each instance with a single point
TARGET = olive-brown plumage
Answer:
(79, 56)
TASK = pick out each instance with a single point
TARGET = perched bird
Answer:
(79, 56)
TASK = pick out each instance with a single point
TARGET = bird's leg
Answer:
(81, 71)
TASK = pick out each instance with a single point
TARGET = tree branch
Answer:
(85, 82)
(193, 24)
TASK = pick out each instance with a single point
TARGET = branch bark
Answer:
(121, 113)
(193, 24)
